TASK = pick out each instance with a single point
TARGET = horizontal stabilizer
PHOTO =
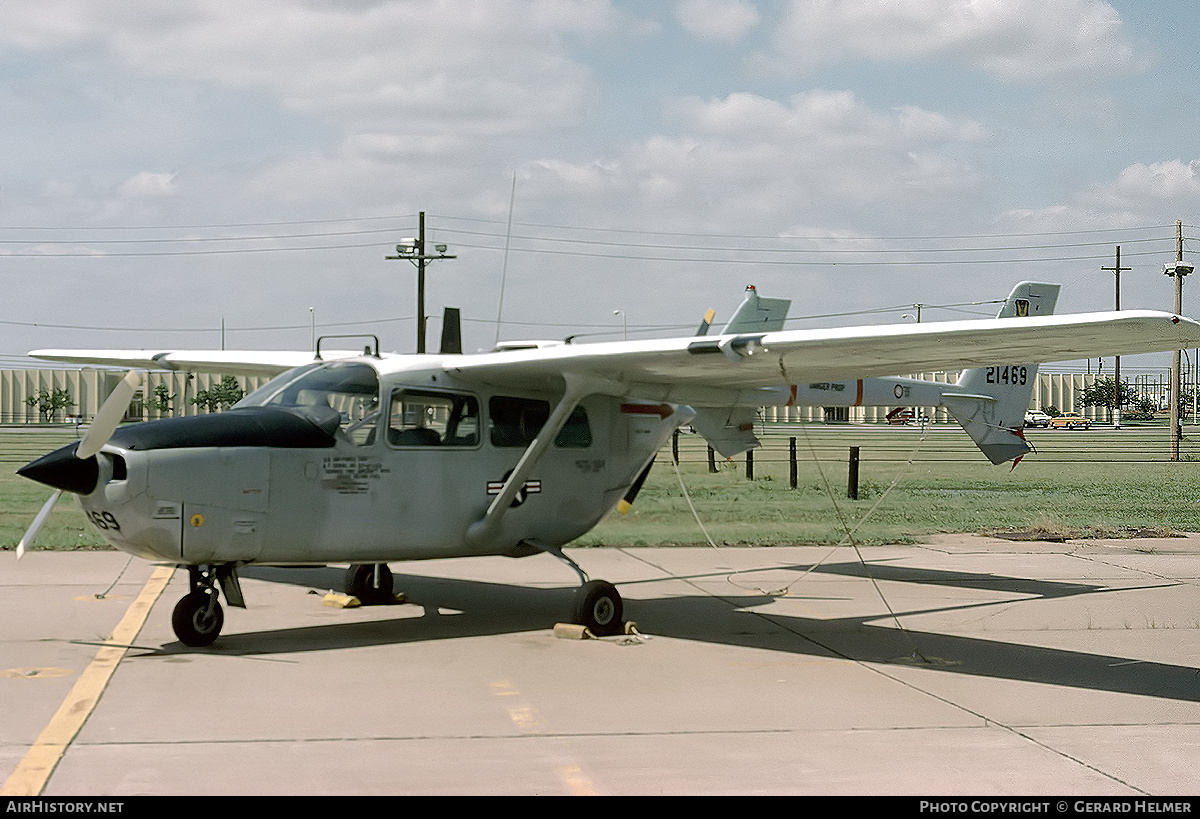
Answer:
(728, 430)
(980, 417)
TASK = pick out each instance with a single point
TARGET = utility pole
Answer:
(1116, 268)
(1177, 271)
(414, 251)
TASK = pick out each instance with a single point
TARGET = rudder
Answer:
(990, 402)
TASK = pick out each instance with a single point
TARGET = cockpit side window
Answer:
(422, 418)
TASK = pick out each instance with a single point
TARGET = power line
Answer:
(216, 252)
(227, 226)
(734, 260)
(580, 228)
(396, 319)
(200, 239)
(834, 251)
(814, 238)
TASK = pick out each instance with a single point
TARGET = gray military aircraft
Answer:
(376, 457)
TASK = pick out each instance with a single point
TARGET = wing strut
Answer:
(578, 387)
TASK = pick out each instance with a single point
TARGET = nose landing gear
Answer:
(198, 617)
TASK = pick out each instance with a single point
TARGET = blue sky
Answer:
(169, 167)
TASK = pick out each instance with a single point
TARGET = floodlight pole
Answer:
(1177, 271)
(414, 251)
(1116, 268)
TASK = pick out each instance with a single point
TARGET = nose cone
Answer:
(62, 470)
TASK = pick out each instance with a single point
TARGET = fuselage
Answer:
(350, 462)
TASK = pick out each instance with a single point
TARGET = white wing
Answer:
(705, 369)
(684, 369)
(224, 362)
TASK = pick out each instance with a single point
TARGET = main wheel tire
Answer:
(192, 622)
(598, 607)
(360, 582)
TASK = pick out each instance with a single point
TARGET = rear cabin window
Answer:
(419, 418)
(515, 422)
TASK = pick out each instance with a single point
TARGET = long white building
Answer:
(87, 388)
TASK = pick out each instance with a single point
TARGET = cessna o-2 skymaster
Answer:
(376, 458)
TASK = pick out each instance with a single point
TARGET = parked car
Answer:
(1070, 420)
(1037, 418)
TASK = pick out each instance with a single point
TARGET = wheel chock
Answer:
(346, 601)
(572, 631)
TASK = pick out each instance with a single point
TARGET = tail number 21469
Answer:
(1013, 375)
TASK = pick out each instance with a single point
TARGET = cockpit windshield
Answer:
(338, 396)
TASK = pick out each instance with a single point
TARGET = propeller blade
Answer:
(627, 502)
(38, 522)
(110, 414)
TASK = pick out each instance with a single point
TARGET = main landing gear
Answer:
(598, 607)
(371, 583)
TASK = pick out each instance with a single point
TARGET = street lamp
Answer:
(413, 250)
(624, 323)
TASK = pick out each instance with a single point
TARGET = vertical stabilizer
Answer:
(990, 402)
(758, 315)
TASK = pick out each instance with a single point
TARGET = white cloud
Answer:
(1173, 180)
(1140, 195)
(147, 183)
(1023, 40)
(718, 20)
(820, 156)
(491, 67)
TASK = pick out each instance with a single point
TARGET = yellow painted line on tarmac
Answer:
(529, 721)
(34, 770)
(578, 784)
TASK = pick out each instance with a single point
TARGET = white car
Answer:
(1036, 418)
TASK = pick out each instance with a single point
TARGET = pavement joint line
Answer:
(987, 721)
(35, 768)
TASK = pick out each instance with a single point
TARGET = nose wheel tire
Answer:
(197, 620)
(372, 589)
(598, 607)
